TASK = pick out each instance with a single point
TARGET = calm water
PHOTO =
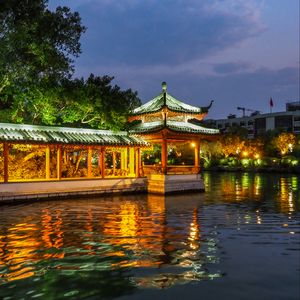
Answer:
(239, 240)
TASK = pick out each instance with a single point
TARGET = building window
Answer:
(297, 129)
(296, 118)
(284, 122)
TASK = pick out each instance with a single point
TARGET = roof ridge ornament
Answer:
(164, 86)
(211, 102)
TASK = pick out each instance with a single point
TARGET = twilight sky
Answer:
(237, 52)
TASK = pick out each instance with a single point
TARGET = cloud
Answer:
(194, 45)
(232, 67)
(251, 89)
(169, 32)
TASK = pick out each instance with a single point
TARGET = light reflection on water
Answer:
(108, 247)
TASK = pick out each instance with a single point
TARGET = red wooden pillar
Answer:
(164, 156)
(102, 161)
(5, 158)
(197, 156)
(114, 159)
(58, 162)
(89, 162)
(47, 165)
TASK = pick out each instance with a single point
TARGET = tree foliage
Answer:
(37, 48)
(231, 144)
(36, 44)
(285, 142)
(210, 151)
(99, 104)
(37, 51)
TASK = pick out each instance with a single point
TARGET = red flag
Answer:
(271, 102)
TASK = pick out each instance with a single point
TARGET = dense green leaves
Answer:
(37, 49)
(36, 44)
(98, 103)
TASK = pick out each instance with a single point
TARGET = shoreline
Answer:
(295, 171)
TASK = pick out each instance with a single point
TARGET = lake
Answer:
(238, 240)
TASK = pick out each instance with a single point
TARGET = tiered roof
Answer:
(174, 118)
(171, 103)
(66, 135)
(180, 127)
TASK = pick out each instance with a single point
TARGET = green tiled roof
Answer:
(172, 103)
(184, 127)
(64, 135)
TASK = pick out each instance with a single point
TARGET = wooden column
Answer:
(89, 162)
(126, 160)
(47, 162)
(164, 156)
(5, 157)
(58, 162)
(138, 162)
(131, 162)
(197, 156)
(102, 161)
(122, 159)
(114, 162)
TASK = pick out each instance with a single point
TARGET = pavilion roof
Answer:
(65, 135)
(166, 100)
(182, 127)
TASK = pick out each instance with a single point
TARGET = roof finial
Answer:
(164, 86)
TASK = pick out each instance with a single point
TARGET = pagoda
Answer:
(167, 121)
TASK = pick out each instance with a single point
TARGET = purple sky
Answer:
(237, 52)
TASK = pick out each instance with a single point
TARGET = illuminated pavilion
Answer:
(168, 122)
(108, 161)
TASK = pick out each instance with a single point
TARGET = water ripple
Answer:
(109, 247)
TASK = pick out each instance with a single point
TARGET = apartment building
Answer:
(257, 124)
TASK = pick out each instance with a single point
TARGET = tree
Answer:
(37, 47)
(96, 103)
(239, 131)
(231, 145)
(210, 151)
(285, 142)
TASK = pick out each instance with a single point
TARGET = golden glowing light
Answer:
(193, 145)
(245, 153)
(194, 231)
(256, 156)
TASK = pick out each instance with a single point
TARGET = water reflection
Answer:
(148, 241)
(282, 190)
(109, 247)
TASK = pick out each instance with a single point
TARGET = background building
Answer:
(257, 123)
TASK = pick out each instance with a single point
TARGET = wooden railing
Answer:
(180, 169)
